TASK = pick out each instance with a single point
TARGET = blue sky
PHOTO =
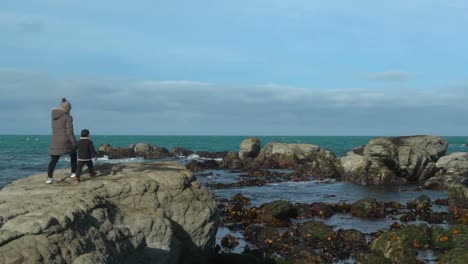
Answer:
(236, 67)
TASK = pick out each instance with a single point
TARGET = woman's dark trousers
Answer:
(55, 159)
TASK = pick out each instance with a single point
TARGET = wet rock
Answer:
(305, 255)
(142, 148)
(121, 153)
(458, 200)
(196, 165)
(322, 210)
(350, 240)
(455, 256)
(394, 160)
(249, 148)
(178, 151)
(316, 233)
(395, 247)
(237, 209)
(456, 237)
(281, 209)
(368, 208)
(372, 258)
(407, 217)
(451, 169)
(421, 204)
(232, 161)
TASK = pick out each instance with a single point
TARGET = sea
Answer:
(24, 155)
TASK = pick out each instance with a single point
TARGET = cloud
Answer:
(396, 75)
(124, 106)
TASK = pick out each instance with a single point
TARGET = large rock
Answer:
(142, 148)
(368, 208)
(121, 153)
(451, 169)
(390, 160)
(249, 148)
(104, 149)
(232, 161)
(307, 159)
(139, 213)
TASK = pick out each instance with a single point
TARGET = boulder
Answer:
(395, 160)
(397, 246)
(353, 163)
(139, 213)
(316, 233)
(307, 159)
(455, 256)
(212, 155)
(249, 148)
(104, 149)
(232, 161)
(452, 168)
(178, 151)
(368, 208)
(142, 148)
(282, 210)
(351, 240)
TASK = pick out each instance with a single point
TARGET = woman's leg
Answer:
(52, 164)
(73, 161)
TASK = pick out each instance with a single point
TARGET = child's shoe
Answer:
(93, 174)
(73, 175)
(78, 179)
(50, 180)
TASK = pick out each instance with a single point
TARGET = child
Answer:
(86, 153)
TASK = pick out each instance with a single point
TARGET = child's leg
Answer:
(90, 165)
(52, 164)
(79, 169)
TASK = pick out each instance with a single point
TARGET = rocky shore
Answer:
(131, 213)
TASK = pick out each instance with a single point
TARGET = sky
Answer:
(256, 67)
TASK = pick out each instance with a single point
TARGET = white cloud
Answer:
(184, 107)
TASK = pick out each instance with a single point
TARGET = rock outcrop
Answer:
(142, 148)
(307, 159)
(458, 198)
(131, 213)
(389, 160)
(451, 169)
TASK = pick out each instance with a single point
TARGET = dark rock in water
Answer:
(282, 210)
(249, 148)
(420, 204)
(350, 240)
(261, 236)
(368, 208)
(232, 161)
(229, 242)
(322, 210)
(372, 258)
(451, 169)
(196, 165)
(121, 153)
(390, 160)
(211, 155)
(317, 234)
(178, 151)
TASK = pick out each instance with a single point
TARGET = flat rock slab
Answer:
(155, 212)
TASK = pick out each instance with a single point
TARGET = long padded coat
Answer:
(63, 138)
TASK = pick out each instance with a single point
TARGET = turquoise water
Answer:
(23, 155)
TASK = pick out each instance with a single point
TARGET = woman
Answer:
(63, 139)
